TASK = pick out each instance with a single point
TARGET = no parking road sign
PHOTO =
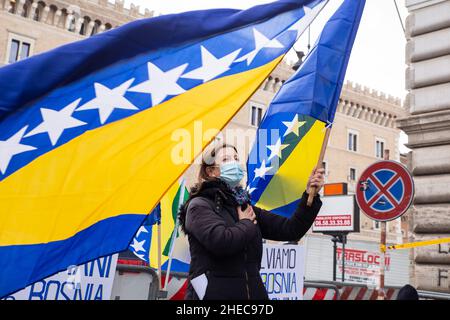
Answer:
(385, 190)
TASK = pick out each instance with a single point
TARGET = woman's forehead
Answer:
(226, 152)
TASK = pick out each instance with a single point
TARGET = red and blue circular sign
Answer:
(385, 190)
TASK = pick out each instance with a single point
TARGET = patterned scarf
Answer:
(240, 195)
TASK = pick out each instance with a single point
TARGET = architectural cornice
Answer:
(427, 129)
(80, 17)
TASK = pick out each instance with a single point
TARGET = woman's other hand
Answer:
(248, 213)
(316, 179)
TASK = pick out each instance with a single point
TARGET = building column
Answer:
(6, 5)
(78, 25)
(372, 115)
(358, 112)
(346, 107)
(384, 120)
(19, 7)
(355, 110)
(428, 83)
(89, 28)
(363, 113)
(44, 15)
(276, 85)
(32, 10)
(350, 108)
(266, 85)
(389, 121)
(377, 117)
(101, 28)
(69, 19)
(340, 107)
(57, 17)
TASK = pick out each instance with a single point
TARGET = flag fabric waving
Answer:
(140, 246)
(170, 204)
(144, 244)
(88, 130)
(291, 134)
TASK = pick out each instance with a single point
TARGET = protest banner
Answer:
(282, 271)
(90, 281)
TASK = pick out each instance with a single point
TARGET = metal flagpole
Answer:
(174, 235)
(159, 252)
(172, 245)
(312, 190)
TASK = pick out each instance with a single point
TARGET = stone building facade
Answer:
(428, 128)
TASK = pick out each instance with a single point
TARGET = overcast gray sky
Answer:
(378, 59)
(378, 56)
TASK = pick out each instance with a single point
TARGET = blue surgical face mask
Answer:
(231, 173)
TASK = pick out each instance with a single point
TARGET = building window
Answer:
(19, 48)
(256, 116)
(352, 174)
(325, 167)
(379, 148)
(352, 141)
(13, 51)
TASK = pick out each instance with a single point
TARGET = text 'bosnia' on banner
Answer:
(86, 129)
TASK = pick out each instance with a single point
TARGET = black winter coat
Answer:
(229, 250)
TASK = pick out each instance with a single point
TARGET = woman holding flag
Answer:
(226, 232)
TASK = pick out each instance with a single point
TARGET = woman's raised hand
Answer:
(316, 179)
(248, 213)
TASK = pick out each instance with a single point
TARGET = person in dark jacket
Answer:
(408, 292)
(226, 233)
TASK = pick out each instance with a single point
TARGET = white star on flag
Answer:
(161, 84)
(211, 66)
(301, 25)
(276, 149)
(141, 230)
(250, 190)
(138, 245)
(140, 256)
(262, 171)
(261, 42)
(55, 122)
(106, 100)
(293, 126)
(9, 148)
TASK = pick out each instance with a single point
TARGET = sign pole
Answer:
(312, 190)
(381, 293)
(344, 240)
(334, 240)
